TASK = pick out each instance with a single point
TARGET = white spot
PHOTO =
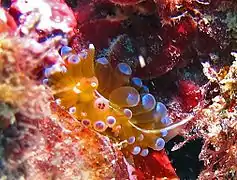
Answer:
(234, 54)
(142, 61)
(91, 46)
(84, 114)
(101, 104)
(72, 110)
(58, 101)
(131, 140)
(24, 30)
(76, 90)
(57, 19)
(140, 137)
(93, 84)
(63, 69)
(3, 16)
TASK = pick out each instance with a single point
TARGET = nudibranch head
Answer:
(109, 100)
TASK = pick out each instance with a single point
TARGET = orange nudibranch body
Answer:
(109, 100)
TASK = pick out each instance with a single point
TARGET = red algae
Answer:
(7, 23)
(67, 143)
(215, 122)
(155, 166)
(189, 94)
(51, 151)
(95, 32)
(161, 46)
(45, 141)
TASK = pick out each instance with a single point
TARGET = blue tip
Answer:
(163, 132)
(74, 59)
(166, 120)
(159, 144)
(148, 101)
(132, 99)
(45, 81)
(65, 50)
(136, 150)
(99, 126)
(102, 60)
(125, 69)
(127, 113)
(144, 152)
(110, 121)
(131, 140)
(144, 89)
(161, 109)
(137, 82)
(47, 72)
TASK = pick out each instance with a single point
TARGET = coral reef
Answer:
(215, 122)
(51, 15)
(160, 68)
(41, 140)
(171, 35)
(17, 86)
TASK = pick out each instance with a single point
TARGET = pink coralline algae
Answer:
(40, 139)
(51, 15)
(65, 154)
(45, 149)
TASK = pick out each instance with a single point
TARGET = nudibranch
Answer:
(109, 100)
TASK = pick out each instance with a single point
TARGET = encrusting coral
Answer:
(215, 122)
(38, 138)
(16, 83)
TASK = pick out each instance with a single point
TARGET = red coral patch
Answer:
(189, 94)
(99, 32)
(154, 166)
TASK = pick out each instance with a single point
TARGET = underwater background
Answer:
(118, 89)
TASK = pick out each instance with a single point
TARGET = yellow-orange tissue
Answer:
(109, 100)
